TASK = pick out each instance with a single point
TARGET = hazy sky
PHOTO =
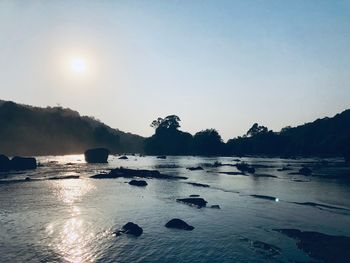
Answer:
(216, 64)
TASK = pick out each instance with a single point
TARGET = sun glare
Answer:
(78, 65)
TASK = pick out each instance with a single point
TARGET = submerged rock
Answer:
(322, 247)
(194, 168)
(123, 157)
(64, 177)
(4, 163)
(138, 183)
(23, 163)
(196, 201)
(132, 173)
(305, 171)
(97, 155)
(199, 185)
(131, 229)
(178, 224)
(215, 207)
(266, 197)
(244, 167)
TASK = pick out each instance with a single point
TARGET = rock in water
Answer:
(132, 229)
(124, 157)
(4, 163)
(161, 157)
(198, 168)
(199, 202)
(215, 207)
(178, 224)
(305, 171)
(97, 155)
(23, 163)
(138, 182)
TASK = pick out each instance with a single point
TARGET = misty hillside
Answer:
(27, 130)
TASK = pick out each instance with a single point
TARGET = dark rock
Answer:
(131, 173)
(178, 224)
(162, 166)
(161, 157)
(194, 168)
(196, 201)
(64, 177)
(4, 163)
(236, 160)
(70, 164)
(232, 173)
(284, 169)
(131, 229)
(27, 179)
(215, 207)
(23, 163)
(243, 167)
(266, 197)
(194, 195)
(322, 247)
(123, 157)
(199, 185)
(97, 155)
(305, 171)
(138, 182)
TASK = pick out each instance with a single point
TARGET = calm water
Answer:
(73, 220)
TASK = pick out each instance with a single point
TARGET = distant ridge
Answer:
(28, 130)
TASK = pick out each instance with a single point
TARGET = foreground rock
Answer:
(196, 201)
(132, 173)
(138, 183)
(322, 247)
(4, 163)
(23, 163)
(97, 155)
(131, 229)
(178, 224)
(123, 157)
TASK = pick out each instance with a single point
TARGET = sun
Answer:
(78, 65)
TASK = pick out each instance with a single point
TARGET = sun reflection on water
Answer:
(72, 238)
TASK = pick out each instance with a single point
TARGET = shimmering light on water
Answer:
(73, 220)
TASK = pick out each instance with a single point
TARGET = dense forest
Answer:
(27, 130)
(323, 137)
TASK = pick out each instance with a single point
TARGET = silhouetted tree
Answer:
(256, 129)
(168, 140)
(208, 142)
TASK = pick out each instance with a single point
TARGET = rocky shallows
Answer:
(133, 173)
(322, 247)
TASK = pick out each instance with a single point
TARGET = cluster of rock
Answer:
(133, 229)
(17, 163)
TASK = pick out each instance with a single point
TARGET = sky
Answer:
(216, 64)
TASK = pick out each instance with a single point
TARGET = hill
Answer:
(28, 130)
(323, 137)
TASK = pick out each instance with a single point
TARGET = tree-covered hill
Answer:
(27, 130)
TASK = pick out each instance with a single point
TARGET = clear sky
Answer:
(216, 64)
